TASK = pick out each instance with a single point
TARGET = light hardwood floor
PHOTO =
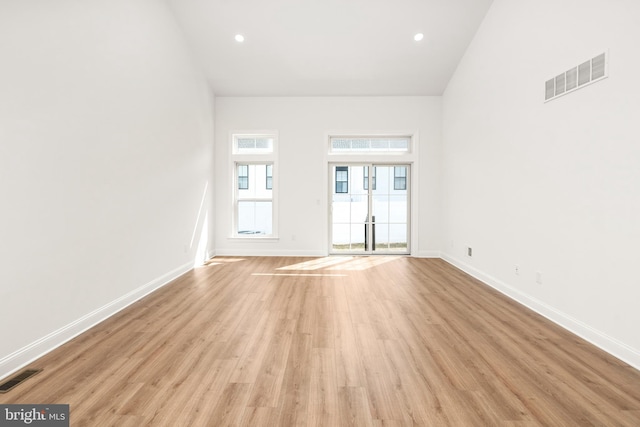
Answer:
(373, 341)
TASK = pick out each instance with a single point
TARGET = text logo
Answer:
(34, 415)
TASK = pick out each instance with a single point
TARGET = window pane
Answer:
(255, 218)
(370, 144)
(381, 236)
(399, 144)
(373, 179)
(384, 180)
(269, 177)
(338, 144)
(398, 208)
(400, 184)
(243, 177)
(342, 179)
(360, 145)
(365, 177)
(380, 144)
(400, 178)
(264, 144)
(341, 209)
(357, 237)
(359, 205)
(248, 145)
(252, 182)
(381, 208)
(341, 236)
(398, 237)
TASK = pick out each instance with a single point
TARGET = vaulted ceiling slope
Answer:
(329, 47)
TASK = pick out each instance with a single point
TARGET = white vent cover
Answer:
(577, 77)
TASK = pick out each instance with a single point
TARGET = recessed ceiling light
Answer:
(239, 38)
(418, 37)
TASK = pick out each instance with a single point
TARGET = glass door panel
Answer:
(390, 208)
(350, 208)
(369, 209)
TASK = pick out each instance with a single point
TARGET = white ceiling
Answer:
(329, 47)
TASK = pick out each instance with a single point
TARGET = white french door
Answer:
(369, 208)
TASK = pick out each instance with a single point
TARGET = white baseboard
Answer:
(261, 252)
(427, 254)
(22, 357)
(297, 253)
(609, 344)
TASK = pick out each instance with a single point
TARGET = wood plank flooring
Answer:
(373, 341)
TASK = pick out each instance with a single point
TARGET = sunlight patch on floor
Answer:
(299, 274)
(364, 263)
(350, 263)
(317, 264)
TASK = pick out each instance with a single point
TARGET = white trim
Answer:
(609, 344)
(253, 239)
(428, 254)
(22, 357)
(414, 195)
(253, 252)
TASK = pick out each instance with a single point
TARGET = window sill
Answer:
(253, 238)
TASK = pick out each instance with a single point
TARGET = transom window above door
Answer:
(369, 144)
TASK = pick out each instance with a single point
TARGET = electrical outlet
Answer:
(517, 270)
(469, 251)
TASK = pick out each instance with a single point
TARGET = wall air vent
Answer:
(591, 71)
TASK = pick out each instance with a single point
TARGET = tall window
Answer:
(342, 179)
(399, 178)
(254, 160)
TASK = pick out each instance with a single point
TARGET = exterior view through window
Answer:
(369, 209)
(254, 200)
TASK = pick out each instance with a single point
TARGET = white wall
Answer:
(106, 132)
(303, 125)
(554, 187)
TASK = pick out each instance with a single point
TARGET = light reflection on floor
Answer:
(351, 263)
